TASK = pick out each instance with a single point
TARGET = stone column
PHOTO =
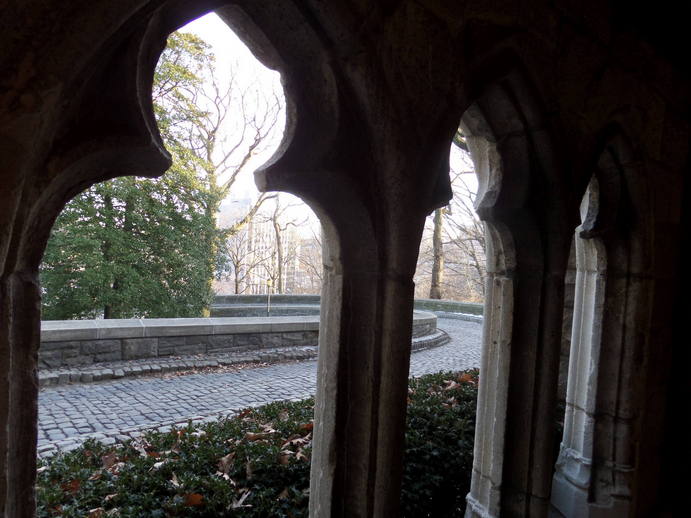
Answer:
(529, 240)
(485, 491)
(364, 356)
(19, 337)
(570, 487)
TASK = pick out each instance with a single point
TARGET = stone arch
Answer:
(98, 125)
(586, 65)
(523, 200)
(626, 328)
(598, 459)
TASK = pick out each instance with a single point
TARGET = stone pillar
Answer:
(567, 323)
(485, 491)
(529, 239)
(364, 356)
(19, 337)
(570, 487)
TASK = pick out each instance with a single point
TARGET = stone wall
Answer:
(449, 306)
(67, 343)
(256, 305)
(83, 342)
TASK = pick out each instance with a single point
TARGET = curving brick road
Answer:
(117, 410)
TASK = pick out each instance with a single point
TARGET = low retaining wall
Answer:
(302, 305)
(449, 306)
(66, 343)
(261, 310)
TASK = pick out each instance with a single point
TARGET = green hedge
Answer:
(256, 464)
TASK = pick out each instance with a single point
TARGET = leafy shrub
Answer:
(439, 444)
(256, 464)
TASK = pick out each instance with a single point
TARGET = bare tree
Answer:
(451, 263)
(311, 263)
(465, 239)
(225, 123)
(242, 260)
(435, 290)
(285, 245)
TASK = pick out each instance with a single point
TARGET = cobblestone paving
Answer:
(116, 410)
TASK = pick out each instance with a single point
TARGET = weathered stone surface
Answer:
(557, 93)
(221, 343)
(133, 348)
(300, 338)
(100, 347)
(193, 348)
(50, 359)
(167, 345)
(249, 339)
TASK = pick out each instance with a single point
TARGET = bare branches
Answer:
(452, 253)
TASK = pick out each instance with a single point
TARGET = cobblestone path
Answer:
(116, 410)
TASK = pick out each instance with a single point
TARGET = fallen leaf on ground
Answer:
(300, 455)
(226, 462)
(307, 426)
(450, 385)
(239, 503)
(160, 464)
(109, 459)
(193, 499)
(72, 486)
(99, 512)
(297, 440)
(256, 436)
(284, 457)
(466, 378)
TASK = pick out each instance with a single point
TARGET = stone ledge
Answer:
(94, 342)
(71, 330)
(78, 330)
(153, 366)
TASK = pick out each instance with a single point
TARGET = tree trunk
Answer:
(438, 262)
(237, 280)
(279, 256)
(106, 250)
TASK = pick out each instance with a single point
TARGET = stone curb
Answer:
(459, 316)
(134, 368)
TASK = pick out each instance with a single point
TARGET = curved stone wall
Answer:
(303, 305)
(66, 343)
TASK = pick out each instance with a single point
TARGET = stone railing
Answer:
(261, 305)
(67, 343)
(449, 306)
(258, 305)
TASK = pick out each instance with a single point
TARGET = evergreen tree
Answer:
(135, 247)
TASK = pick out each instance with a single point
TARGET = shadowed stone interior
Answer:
(549, 94)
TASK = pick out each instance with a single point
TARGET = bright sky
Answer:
(229, 51)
